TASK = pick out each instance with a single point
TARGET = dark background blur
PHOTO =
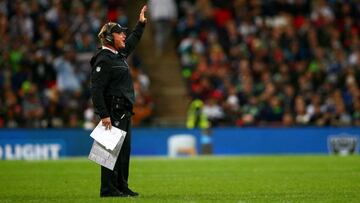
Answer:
(251, 63)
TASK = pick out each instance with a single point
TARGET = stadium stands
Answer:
(44, 63)
(253, 63)
(272, 63)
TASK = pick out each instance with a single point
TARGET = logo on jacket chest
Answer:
(98, 69)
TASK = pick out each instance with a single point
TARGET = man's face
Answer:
(119, 40)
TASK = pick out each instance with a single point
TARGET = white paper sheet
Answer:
(108, 138)
(104, 157)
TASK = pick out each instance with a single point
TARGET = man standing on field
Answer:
(113, 97)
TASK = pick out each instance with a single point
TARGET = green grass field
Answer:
(201, 179)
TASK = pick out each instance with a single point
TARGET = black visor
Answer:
(118, 29)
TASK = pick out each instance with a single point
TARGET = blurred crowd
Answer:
(272, 63)
(252, 63)
(45, 50)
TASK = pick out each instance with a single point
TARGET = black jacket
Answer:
(110, 74)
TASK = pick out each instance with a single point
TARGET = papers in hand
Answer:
(107, 145)
(108, 138)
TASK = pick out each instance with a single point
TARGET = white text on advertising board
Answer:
(30, 151)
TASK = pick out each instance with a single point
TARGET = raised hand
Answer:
(142, 17)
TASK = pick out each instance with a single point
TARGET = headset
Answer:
(108, 35)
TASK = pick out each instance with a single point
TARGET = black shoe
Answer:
(114, 194)
(129, 193)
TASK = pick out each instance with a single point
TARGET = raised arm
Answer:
(135, 36)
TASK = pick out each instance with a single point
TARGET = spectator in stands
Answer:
(356, 113)
(54, 117)
(12, 110)
(31, 106)
(163, 13)
(213, 112)
(144, 105)
(42, 72)
(67, 80)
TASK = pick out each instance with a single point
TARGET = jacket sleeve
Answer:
(133, 39)
(100, 77)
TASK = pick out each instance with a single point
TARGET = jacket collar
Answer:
(112, 50)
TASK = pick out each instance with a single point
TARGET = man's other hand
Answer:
(106, 122)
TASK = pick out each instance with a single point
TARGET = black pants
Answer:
(114, 182)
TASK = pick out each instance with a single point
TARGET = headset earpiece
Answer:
(108, 35)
